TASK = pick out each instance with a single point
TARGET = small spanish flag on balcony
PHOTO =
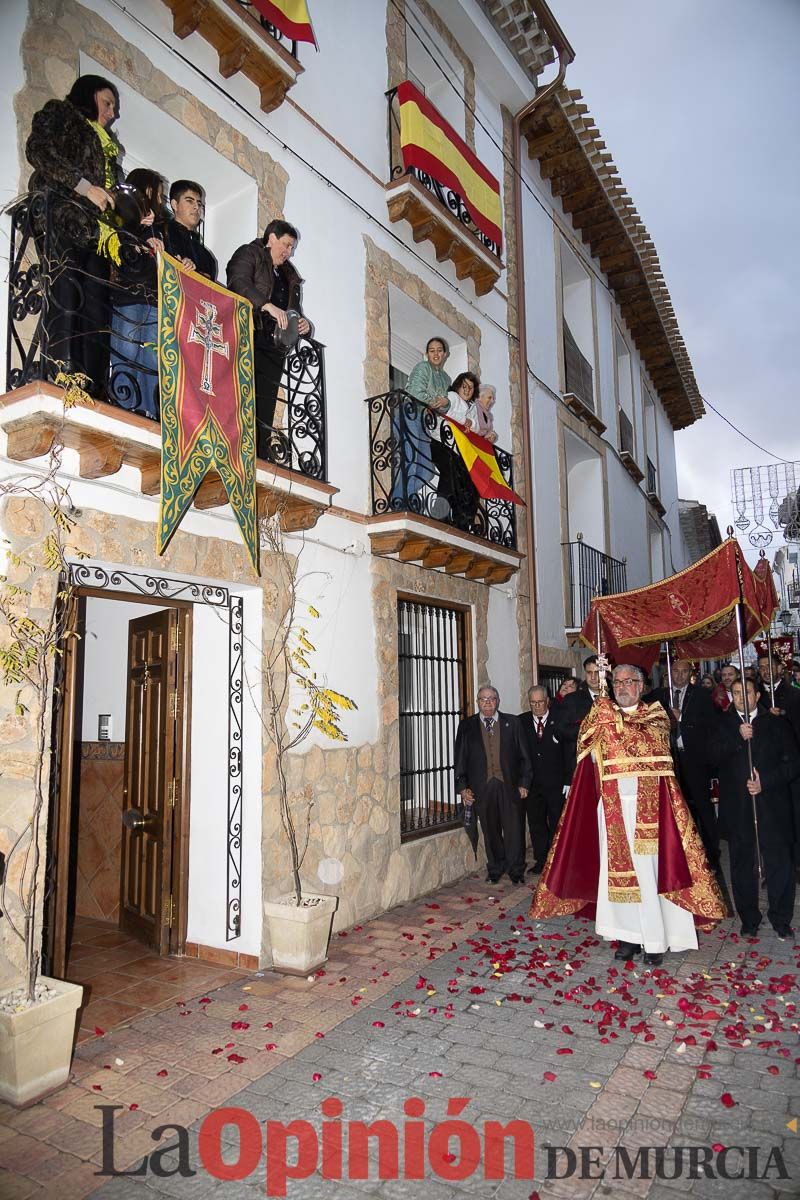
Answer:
(484, 470)
(429, 143)
(290, 17)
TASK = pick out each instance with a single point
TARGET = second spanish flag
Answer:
(429, 143)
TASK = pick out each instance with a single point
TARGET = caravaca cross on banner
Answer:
(290, 17)
(429, 143)
(479, 459)
(205, 372)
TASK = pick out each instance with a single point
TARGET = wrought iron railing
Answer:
(577, 370)
(416, 468)
(39, 260)
(449, 199)
(272, 30)
(652, 479)
(625, 433)
(591, 573)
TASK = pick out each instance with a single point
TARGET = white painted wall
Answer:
(105, 674)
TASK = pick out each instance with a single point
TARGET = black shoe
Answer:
(517, 879)
(784, 933)
(490, 878)
(750, 930)
(626, 951)
(537, 867)
(652, 960)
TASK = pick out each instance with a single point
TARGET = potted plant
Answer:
(37, 1014)
(299, 921)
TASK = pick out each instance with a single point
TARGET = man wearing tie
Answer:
(547, 753)
(574, 708)
(691, 711)
(493, 772)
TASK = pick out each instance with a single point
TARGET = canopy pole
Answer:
(601, 663)
(668, 644)
(759, 867)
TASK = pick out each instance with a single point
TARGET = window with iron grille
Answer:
(553, 677)
(432, 662)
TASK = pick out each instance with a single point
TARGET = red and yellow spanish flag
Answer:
(429, 143)
(479, 459)
(290, 17)
(208, 407)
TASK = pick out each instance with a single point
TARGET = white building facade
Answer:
(415, 612)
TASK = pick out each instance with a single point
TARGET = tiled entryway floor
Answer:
(123, 980)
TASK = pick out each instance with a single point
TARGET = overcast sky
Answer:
(698, 102)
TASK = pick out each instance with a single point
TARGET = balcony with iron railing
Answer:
(627, 447)
(425, 507)
(579, 382)
(244, 41)
(590, 573)
(652, 488)
(437, 212)
(109, 428)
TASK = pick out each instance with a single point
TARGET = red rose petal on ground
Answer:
(728, 1100)
(218, 1050)
(316, 1077)
(649, 1074)
(204, 1000)
(243, 1007)
(774, 1070)
(235, 1058)
(564, 1050)
(162, 1074)
(378, 1024)
(319, 1035)
(270, 1046)
(717, 1147)
(96, 1087)
(98, 1032)
(435, 1074)
(550, 1076)
(132, 1107)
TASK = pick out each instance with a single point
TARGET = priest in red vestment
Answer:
(626, 850)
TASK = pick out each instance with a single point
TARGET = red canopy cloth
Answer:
(695, 610)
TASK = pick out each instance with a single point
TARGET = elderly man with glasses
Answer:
(627, 851)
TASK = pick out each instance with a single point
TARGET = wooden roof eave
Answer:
(582, 174)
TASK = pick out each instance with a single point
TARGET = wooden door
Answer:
(150, 779)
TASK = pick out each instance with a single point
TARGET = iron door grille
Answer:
(432, 662)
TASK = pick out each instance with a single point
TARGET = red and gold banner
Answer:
(695, 610)
(290, 17)
(479, 459)
(205, 371)
(429, 143)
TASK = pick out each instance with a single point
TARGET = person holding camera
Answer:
(262, 273)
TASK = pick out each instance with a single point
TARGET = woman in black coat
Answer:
(74, 157)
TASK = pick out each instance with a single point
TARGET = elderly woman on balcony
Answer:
(75, 156)
(412, 425)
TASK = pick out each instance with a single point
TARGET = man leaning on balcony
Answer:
(412, 425)
(261, 272)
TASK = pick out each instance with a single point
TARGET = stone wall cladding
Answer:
(56, 32)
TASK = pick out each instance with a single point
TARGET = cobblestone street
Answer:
(456, 995)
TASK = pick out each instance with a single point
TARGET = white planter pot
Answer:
(36, 1044)
(299, 936)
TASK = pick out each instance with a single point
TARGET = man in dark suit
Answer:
(691, 710)
(786, 701)
(569, 715)
(493, 772)
(776, 763)
(546, 751)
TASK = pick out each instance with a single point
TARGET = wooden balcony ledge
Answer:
(242, 44)
(106, 438)
(629, 463)
(586, 414)
(426, 542)
(408, 200)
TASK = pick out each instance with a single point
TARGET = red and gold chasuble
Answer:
(635, 745)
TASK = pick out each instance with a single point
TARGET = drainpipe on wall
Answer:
(566, 54)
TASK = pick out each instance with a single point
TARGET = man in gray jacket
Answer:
(261, 272)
